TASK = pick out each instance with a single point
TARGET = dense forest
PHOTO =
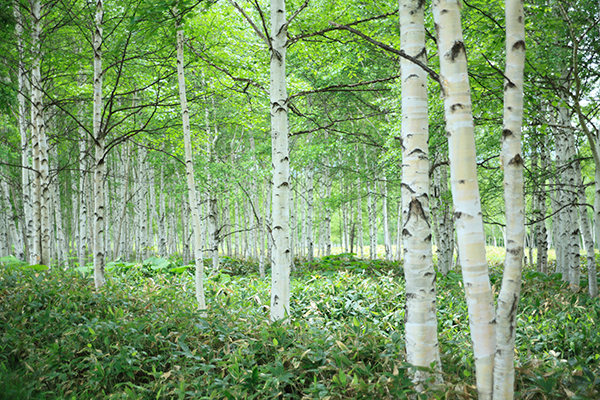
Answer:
(325, 199)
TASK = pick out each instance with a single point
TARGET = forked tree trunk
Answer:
(422, 348)
(465, 189)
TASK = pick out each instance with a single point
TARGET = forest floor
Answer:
(141, 337)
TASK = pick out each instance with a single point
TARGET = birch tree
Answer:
(512, 162)
(189, 169)
(422, 348)
(99, 144)
(465, 189)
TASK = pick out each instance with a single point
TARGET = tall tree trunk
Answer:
(27, 226)
(512, 163)
(11, 227)
(82, 246)
(189, 171)
(372, 210)
(309, 234)
(280, 158)
(422, 348)
(387, 240)
(162, 229)
(99, 144)
(539, 210)
(61, 243)
(586, 232)
(465, 189)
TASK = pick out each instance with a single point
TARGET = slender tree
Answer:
(422, 347)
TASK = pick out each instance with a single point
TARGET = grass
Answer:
(140, 337)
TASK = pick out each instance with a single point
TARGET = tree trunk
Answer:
(465, 189)
(100, 161)
(27, 226)
(280, 157)
(189, 171)
(512, 163)
(586, 232)
(387, 240)
(422, 348)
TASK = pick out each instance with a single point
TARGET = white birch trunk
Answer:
(36, 128)
(465, 189)
(11, 227)
(280, 158)
(25, 146)
(387, 240)
(189, 170)
(586, 233)
(309, 234)
(372, 210)
(100, 161)
(422, 348)
(512, 163)
(162, 229)
(62, 250)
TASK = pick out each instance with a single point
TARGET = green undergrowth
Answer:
(141, 337)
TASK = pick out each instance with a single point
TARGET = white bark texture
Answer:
(189, 171)
(36, 132)
(539, 210)
(465, 189)
(586, 232)
(372, 210)
(162, 229)
(593, 281)
(280, 157)
(422, 348)
(512, 163)
(100, 161)
(22, 122)
(387, 240)
(11, 227)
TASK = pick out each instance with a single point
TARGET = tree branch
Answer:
(432, 74)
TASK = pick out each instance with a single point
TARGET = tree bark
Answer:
(422, 348)
(465, 189)
(512, 162)
(189, 170)
(280, 158)
(99, 144)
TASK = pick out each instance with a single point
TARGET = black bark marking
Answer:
(457, 215)
(456, 49)
(506, 133)
(411, 295)
(516, 251)
(456, 106)
(420, 4)
(428, 274)
(428, 238)
(406, 233)
(461, 182)
(516, 160)
(443, 12)
(509, 85)
(519, 44)
(412, 76)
